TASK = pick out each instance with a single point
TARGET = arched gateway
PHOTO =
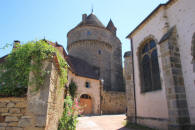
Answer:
(86, 103)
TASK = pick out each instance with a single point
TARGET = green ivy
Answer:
(14, 72)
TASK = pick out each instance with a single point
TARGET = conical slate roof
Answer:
(91, 20)
(110, 25)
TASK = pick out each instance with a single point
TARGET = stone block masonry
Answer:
(40, 110)
(100, 48)
(130, 95)
(175, 89)
(113, 102)
(45, 107)
(12, 113)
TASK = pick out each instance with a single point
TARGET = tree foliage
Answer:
(72, 89)
(14, 72)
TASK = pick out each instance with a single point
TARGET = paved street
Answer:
(104, 122)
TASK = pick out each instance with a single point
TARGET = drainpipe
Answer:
(101, 88)
(134, 80)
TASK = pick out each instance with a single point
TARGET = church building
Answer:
(160, 69)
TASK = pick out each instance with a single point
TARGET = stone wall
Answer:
(97, 54)
(45, 106)
(55, 105)
(12, 113)
(113, 102)
(177, 15)
(40, 110)
(129, 85)
(55, 100)
(174, 82)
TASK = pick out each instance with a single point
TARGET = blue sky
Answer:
(28, 20)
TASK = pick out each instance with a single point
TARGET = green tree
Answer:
(14, 72)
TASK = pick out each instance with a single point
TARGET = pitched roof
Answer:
(150, 16)
(128, 53)
(82, 68)
(2, 59)
(110, 25)
(91, 20)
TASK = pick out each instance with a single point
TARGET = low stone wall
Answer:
(113, 102)
(12, 113)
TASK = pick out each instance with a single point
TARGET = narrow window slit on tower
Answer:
(99, 52)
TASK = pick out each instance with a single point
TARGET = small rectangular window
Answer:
(87, 85)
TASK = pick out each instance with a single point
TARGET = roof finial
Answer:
(92, 8)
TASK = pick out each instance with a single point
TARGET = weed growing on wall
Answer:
(14, 72)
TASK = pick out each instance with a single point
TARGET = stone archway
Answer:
(86, 104)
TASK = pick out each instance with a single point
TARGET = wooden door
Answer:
(86, 104)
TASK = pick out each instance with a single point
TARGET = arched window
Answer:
(149, 67)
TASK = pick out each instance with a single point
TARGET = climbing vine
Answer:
(26, 58)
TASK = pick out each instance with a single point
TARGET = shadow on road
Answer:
(123, 128)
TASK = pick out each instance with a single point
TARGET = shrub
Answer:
(72, 89)
(70, 115)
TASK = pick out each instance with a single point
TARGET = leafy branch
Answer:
(14, 72)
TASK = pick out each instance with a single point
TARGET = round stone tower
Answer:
(98, 45)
